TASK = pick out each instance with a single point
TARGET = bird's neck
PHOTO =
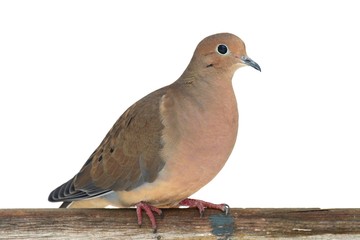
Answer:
(207, 82)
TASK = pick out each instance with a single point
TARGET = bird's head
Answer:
(223, 51)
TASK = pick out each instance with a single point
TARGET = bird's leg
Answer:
(149, 212)
(201, 205)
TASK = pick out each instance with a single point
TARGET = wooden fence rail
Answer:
(180, 224)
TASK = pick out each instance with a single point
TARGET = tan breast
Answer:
(203, 140)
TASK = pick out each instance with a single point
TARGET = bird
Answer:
(170, 143)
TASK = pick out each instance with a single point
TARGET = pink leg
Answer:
(201, 205)
(149, 212)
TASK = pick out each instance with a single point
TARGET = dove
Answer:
(169, 144)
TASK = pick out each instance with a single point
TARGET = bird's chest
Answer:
(207, 135)
(199, 141)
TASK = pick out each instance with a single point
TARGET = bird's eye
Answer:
(222, 49)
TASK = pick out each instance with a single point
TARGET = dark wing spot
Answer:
(100, 158)
(210, 65)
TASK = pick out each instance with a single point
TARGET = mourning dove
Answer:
(170, 143)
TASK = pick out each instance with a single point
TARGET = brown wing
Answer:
(126, 158)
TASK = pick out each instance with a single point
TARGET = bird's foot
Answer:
(201, 205)
(142, 206)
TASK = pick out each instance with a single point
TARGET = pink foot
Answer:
(149, 212)
(201, 205)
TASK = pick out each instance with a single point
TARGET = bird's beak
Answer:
(248, 61)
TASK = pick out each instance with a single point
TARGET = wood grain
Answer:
(180, 224)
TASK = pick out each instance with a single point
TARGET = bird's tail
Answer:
(65, 205)
(97, 202)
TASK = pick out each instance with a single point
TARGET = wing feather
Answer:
(128, 156)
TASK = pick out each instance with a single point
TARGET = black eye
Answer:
(222, 49)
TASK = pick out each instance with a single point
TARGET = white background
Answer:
(68, 70)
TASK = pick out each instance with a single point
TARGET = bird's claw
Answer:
(226, 209)
(201, 205)
(142, 206)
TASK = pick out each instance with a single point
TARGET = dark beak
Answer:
(248, 61)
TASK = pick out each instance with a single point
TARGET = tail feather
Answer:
(97, 202)
(65, 204)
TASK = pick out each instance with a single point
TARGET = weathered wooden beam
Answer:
(180, 224)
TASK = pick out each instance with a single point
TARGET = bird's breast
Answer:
(198, 137)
